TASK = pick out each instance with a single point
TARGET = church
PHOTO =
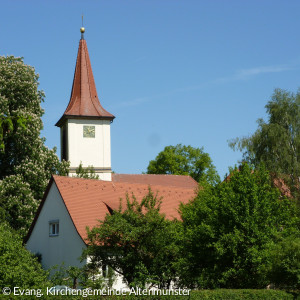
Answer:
(70, 204)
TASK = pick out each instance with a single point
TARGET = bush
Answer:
(220, 294)
(18, 267)
(285, 268)
(224, 294)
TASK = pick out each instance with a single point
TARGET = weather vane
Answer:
(82, 29)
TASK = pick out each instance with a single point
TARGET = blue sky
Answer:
(171, 71)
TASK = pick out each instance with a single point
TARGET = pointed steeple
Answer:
(84, 102)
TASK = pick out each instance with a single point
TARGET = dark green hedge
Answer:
(221, 294)
(224, 294)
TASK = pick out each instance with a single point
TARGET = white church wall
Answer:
(90, 151)
(65, 247)
(104, 176)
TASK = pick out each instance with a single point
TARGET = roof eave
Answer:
(62, 120)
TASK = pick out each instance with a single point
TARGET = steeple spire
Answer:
(82, 29)
(84, 102)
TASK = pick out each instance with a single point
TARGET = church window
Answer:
(54, 228)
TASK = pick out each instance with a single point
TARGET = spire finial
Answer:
(82, 29)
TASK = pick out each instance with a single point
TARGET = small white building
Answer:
(58, 232)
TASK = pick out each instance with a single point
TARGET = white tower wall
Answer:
(90, 151)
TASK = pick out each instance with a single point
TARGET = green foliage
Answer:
(111, 297)
(285, 263)
(138, 242)
(276, 143)
(58, 275)
(17, 202)
(220, 294)
(88, 276)
(25, 157)
(17, 266)
(184, 160)
(224, 294)
(228, 229)
(93, 277)
(62, 276)
(74, 274)
(19, 97)
(8, 124)
(87, 173)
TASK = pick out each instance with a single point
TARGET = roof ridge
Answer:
(153, 174)
(116, 183)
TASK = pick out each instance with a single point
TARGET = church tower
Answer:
(85, 124)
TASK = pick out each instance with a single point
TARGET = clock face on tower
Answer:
(88, 131)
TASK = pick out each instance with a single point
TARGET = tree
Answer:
(18, 268)
(8, 124)
(24, 159)
(87, 173)
(184, 160)
(276, 143)
(17, 202)
(137, 242)
(285, 263)
(19, 97)
(228, 229)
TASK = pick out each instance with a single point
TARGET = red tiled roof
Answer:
(84, 101)
(283, 188)
(153, 179)
(89, 200)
